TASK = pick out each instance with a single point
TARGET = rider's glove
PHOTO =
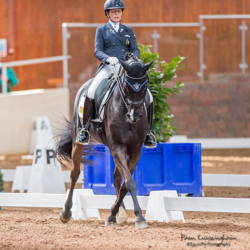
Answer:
(112, 61)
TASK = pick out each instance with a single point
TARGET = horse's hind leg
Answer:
(77, 153)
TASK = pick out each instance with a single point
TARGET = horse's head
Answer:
(135, 83)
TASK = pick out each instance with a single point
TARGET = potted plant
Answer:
(159, 73)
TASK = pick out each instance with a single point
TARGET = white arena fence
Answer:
(159, 205)
(214, 180)
(9, 175)
(223, 205)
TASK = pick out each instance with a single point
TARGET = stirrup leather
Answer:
(78, 134)
(153, 146)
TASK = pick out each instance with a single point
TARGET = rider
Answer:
(112, 42)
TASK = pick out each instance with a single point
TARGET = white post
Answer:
(156, 36)
(201, 37)
(4, 79)
(65, 53)
(243, 29)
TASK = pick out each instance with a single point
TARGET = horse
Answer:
(124, 131)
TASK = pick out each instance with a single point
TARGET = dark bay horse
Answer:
(124, 131)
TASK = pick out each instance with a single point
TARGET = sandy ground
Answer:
(34, 228)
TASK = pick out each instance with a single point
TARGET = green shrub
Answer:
(165, 72)
(1, 182)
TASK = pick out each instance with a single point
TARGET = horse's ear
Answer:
(125, 65)
(147, 66)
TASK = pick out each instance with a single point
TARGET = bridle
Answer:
(128, 103)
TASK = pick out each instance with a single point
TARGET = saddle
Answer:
(102, 96)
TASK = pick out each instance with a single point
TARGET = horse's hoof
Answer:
(141, 224)
(122, 218)
(109, 223)
(63, 220)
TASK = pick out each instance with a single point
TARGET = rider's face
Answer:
(115, 15)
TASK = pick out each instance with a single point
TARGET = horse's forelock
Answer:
(130, 57)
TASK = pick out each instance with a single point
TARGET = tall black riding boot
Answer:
(150, 141)
(83, 136)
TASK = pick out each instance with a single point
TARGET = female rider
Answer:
(112, 42)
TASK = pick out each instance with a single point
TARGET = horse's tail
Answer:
(63, 142)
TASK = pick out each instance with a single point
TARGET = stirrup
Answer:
(83, 143)
(153, 146)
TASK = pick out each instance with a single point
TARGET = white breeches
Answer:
(105, 73)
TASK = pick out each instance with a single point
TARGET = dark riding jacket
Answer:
(109, 43)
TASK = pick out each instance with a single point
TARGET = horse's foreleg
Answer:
(117, 180)
(119, 205)
(131, 187)
(127, 186)
(120, 160)
(117, 177)
(77, 153)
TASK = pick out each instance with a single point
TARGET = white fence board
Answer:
(213, 180)
(107, 201)
(9, 174)
(225, 180)
(32, 200)
(224, 205)
(220, 143)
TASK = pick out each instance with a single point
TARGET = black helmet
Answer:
(113, 4)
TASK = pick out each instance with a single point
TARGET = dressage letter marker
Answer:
(46, 172)
(41, 133)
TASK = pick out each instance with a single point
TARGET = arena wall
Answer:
(219, 108)
(18, 109)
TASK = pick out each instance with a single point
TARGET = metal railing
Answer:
(6, 65)
(243, 29)
(156, 36)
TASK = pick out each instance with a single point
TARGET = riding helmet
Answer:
(113, 4)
